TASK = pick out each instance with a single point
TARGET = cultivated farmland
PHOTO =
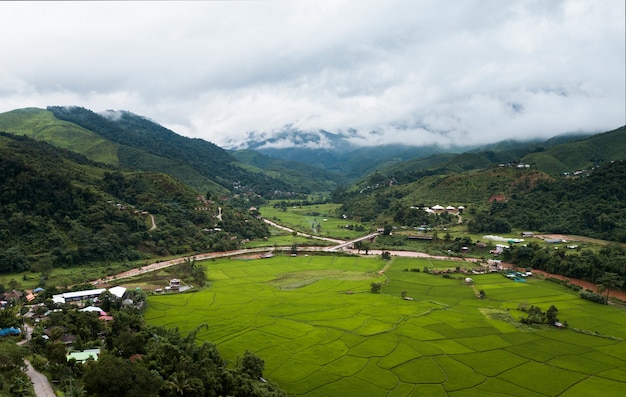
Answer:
(322, 332)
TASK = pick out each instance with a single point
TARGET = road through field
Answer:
(342, 246)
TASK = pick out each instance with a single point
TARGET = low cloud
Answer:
(413, 72)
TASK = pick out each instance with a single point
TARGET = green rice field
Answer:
(322, 332)
(302, 218)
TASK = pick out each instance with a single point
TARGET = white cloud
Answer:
(413, 71)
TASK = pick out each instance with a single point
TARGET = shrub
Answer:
(592, 296)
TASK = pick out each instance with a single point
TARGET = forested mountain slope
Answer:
(41, 125)
(592, 205)
(57, 208)
(580, 154)
(298, 174)
(145, 145)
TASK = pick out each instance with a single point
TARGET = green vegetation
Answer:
(147, 146)
(41, 125)
(59, 209)
(303, 177)
(580, 154)
(594, 205)
(315, 219)
(13, 380)
(134, 359)
(320, 330)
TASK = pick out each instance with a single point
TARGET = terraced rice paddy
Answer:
(322, 332)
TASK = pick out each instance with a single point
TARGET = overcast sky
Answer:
(390, 71)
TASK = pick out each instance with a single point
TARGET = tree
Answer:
(387, 230)
(367, 247)
(609, 280)
(56, 352)
(386, 255)
(252, 365)
(14, 284)
(179, 384)
(375, 287)
(11, 356)
(551, 317)
(113, 376)
(9, 318)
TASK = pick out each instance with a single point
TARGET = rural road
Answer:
(341, 246)
(40, 382)
(276, 225)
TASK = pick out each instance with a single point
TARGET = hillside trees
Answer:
(593, 206)
(59, 209)
(486, 222)
(151, 147)
(585, 265)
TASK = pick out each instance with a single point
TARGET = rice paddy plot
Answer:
(321, 332)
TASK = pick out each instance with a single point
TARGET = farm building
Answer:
(79, 296)
(175, 284)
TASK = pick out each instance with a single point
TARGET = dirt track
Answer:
(621, 295)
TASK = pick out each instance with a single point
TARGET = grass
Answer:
(302, 218)
(321, 332)
(42, 125)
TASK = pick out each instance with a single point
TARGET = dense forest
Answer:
(59, 209)
(148, 146)
(592, 205)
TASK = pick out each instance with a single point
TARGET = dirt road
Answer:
(621, 295)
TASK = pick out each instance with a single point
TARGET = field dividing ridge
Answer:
(322, 332)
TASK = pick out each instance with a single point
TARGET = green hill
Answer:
(58, 208)
(581, 154)
(148, 146)
(41, 125)
(303, 176)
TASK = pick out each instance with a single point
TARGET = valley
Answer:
(390, 271)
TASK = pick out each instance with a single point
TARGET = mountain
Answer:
(555, 156)
(42, 125)
(580, 154)
(336, 152)
(304, 176)
(127, 140)
(147, 146)
(58, 208)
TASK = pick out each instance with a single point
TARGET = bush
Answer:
(39, 362)
(592, 296)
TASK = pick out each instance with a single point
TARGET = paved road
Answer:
(40, 382)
